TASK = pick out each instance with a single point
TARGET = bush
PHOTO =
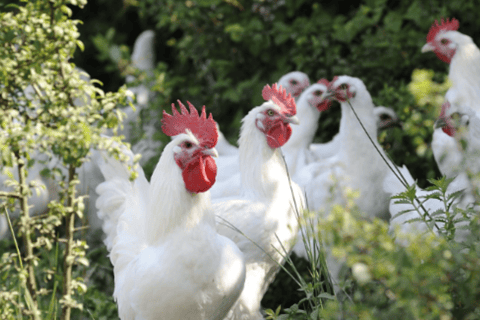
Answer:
(49, 115)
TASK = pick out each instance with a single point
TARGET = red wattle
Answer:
(443, 57)
(449, 130)
(278, 135)
(199, 175)
(323, 106)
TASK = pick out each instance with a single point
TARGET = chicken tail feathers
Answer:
(120, 204)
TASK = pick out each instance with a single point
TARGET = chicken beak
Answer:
(292, 120)
(329, 94)
(211, 152)
(440, 123)
(427, 47)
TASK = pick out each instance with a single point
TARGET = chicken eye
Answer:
(455, 116)
(344, 86)
(188, 145)
(318, 93)
(444, 41)
(385, 117)
(293, 82)
(270, 112)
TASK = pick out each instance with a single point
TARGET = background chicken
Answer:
(356, 163)
(463, 56)
(309, 107)
(458, 50)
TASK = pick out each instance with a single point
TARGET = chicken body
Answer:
(265, 211)
(169, 261)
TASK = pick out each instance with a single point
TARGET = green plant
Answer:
(48, 112)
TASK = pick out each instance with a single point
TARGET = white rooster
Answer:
(169, 262)
(266, 210)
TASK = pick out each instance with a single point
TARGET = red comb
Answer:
(205, 130)
(324, 81)
(447, 25)
(445, 107)
(279, 96)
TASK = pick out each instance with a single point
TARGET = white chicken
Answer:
(266, 210)
(463, 55)
(356, 163)
(169, 262)
(386, 118)
(294, 83)
(309, 107)
(446, 150)
(466, 132)
(143, 58)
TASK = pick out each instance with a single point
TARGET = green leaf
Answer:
(393, 21)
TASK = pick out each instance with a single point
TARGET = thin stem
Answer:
(10, 226)
(68, 258)
(29, 258)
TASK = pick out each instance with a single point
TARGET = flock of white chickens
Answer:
(205, 238)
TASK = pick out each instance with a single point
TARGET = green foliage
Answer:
(396, 275)
(48, 112)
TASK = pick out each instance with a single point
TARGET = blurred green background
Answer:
(221, 54)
